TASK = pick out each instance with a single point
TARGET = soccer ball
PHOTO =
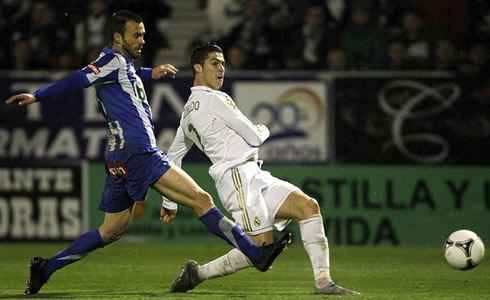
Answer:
(464, 250)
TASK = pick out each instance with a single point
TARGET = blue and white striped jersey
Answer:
(122, 96)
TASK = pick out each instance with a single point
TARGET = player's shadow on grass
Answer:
(48, 296)
(105, 295)
(39, 296)
(114, 295)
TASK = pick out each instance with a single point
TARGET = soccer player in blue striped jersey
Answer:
(133, 161)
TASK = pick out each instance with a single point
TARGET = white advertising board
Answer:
(294, 112)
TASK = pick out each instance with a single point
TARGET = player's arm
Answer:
(179, 148)
(99, 71)
(157, 72)
(254, 135)
(70, 84)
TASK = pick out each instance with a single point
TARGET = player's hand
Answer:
(22, 99)
(167, 215)
(163, 70)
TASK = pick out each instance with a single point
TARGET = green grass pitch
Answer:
(145, 270)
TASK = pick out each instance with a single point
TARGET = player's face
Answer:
(133, 39)
(213, 71)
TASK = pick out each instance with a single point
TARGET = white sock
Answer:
(224, 265)
(316, 245)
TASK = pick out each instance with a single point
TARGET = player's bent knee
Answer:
(310, 208)
(313, 206)
(110, 236)
(202, 203)
(298, 206)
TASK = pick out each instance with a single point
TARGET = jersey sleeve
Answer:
(225, 109)
(104, 69)
(70, 84)
(144, 73)
(179, 148)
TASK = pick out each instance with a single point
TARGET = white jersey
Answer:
(253, 196)
(212, 121)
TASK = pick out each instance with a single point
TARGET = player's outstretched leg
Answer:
(334, 289)
(36, 279)
(271, 251)
(42, 269)
(261, 257)
(188, 278)
(193, 274)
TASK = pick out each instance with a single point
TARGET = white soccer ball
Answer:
(464, 249)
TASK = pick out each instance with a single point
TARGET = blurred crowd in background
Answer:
(331, 35)
(68, 34)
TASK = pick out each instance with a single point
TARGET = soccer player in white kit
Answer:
(258, 202)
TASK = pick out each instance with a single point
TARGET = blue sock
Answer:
(86, 243)
(223, 227)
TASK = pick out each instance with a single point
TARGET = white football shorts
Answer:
(253, 197)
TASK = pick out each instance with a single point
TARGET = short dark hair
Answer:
(201, 52)
(118, 20)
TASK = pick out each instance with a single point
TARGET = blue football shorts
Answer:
(129, 177)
